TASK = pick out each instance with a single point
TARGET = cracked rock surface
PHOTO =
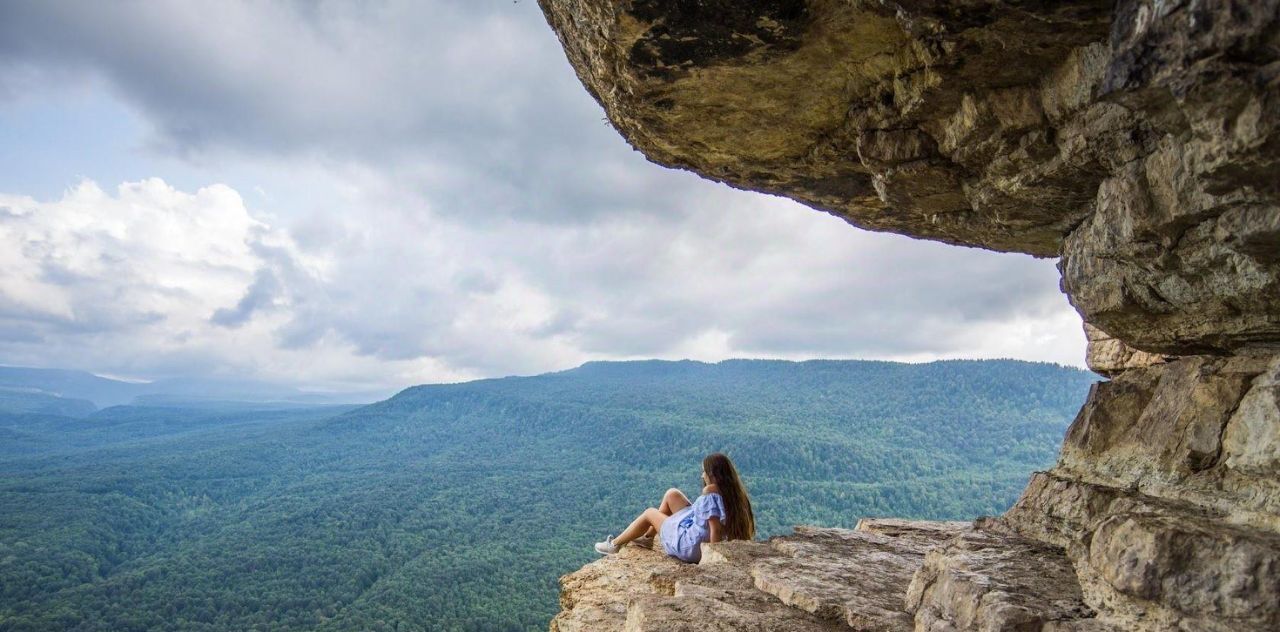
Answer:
(884, 576)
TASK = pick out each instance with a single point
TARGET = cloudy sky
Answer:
(371, 195)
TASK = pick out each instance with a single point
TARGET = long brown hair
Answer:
(741, 522)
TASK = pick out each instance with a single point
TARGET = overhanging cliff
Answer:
(1135, 140)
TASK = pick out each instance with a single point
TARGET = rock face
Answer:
(643, 589)
(884, 576)
(1109, 356)
(1167, 496)
(1136, 140)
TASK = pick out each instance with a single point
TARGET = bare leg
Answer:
(672, 501)
(650, 519)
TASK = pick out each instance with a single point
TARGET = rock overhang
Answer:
(1134, 140)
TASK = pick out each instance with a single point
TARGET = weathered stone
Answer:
(1170, 267)
(1181, 252)
(1251, 439)
(725, 575)
(883, 114)
(1186, 569)
(644, 589)
(1110, 356)
(987, 581)
(1058, 510)
(688, 613)
(1197, 429)
(1138, 140)
(927, 532)
(1156, 564)
(815, 579)
(595, 596)
(858, 577)
(1166, 496)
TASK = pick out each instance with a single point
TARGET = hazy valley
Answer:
(458, 506)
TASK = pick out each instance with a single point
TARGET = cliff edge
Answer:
(885, 575)
(1135, 140)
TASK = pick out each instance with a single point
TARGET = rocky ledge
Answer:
(885, 575)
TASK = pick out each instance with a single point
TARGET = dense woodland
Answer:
(457, 507)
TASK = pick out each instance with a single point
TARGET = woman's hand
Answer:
(714, 524)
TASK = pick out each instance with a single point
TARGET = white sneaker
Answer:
(607, 547)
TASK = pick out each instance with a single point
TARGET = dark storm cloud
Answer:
(473, 103)
(261, 294)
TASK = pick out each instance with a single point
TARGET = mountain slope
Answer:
(105, 392)
(458, 506)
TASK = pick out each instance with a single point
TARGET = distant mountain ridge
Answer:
(68, 384)
(24, 389)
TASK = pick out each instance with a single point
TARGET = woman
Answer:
(722, 512)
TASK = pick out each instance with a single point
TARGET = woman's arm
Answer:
(713, 523)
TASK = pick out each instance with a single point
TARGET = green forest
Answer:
(457, 507)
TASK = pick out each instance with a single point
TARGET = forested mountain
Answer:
(19, 386)
(66, 384)
(23, 401)
(458, 506)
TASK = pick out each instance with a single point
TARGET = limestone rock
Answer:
(1179, 431)
(927, 532)
(887, 575)
(643, 589)
(689, 613)
(1110, 356)
(1182, 251)
(1167, 496)
(594, 597)
(986, 581)
(1171, 268)
(858, 577)
(882, 113)
(1136, 139)
(1059, 510)
(815, 579)
(1185, 569)
(1148, 563)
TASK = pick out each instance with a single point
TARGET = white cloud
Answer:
(91, 259)
(435, 197)
(152, 281)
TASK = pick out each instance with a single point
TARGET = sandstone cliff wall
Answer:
(1135, 140)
